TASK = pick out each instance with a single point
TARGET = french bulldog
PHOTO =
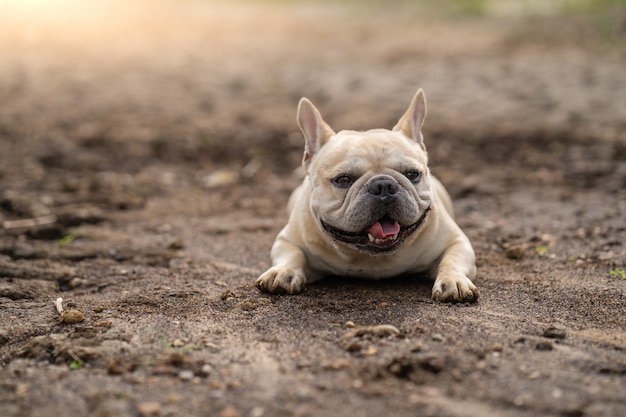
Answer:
(369, 208)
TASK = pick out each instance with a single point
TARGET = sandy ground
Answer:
(147, 152)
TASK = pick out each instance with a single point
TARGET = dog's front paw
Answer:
(458, 288)
(281, 280)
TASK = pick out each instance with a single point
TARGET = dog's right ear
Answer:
(315, 130)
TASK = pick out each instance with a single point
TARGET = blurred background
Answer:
(105, 85)
(147, 152)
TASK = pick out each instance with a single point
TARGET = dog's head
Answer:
(370, 191)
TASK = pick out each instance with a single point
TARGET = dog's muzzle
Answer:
(384, 235)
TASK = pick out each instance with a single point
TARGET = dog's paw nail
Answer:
(281, 280)
(455, 290)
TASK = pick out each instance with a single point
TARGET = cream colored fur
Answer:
(430, 241)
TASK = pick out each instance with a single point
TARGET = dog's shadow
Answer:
(407, 282)
(337, 299)
(344, 292)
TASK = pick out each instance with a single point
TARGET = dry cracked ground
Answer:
(147, 151)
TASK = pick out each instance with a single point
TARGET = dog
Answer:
(369, 208)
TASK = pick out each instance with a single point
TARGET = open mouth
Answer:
(384, 235)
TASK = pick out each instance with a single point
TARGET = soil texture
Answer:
(147, 153)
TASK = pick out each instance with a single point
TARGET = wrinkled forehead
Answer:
(373, 149)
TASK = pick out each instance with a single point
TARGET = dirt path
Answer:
(158, 162)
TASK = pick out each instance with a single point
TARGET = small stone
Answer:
(434, 364)
(516, 252)
(178, 343)
(349, 324)
(186, 375)
(216, 385)
(177, 359)
(227, 295)
(337, 365)
(544, 346)
(370, 351)
(257, 411)
(149, 409)
(176, 244)
(554, 332)
(497, 347)
(230, 411)
(221, 178)
(21, 390)
(206, 370)
(417, 347)
(72, 316)
(76, 282)
(119, 367)
(4, 337)
(437, 337)
(167, 370)
(212, 347)
(353, 346)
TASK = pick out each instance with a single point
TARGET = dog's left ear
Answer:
(315, 130)
(411, 122)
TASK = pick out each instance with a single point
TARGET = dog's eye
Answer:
(413, 175)
(343, 181)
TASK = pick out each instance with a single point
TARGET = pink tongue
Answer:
(384, 228)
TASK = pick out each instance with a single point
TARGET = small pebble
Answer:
(186, 375)
(72, 316)
(545, 346)
(434, 364)
(554, 332)
(178, 343)
(220, 178)
(230, 411)
(337, 365)
(257, 411)
(437, 337)
(76, 282)
(176, 244)
(206, 369)
(4, 337)
(149, 409)
(118, 367)
(228, 294)
(371, 351)
(497, 347)
(353, 346)
(417, 347)
(516, 252)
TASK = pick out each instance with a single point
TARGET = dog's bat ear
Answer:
(315, 130)
(413, 119)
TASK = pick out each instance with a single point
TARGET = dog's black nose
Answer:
(382, 188)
